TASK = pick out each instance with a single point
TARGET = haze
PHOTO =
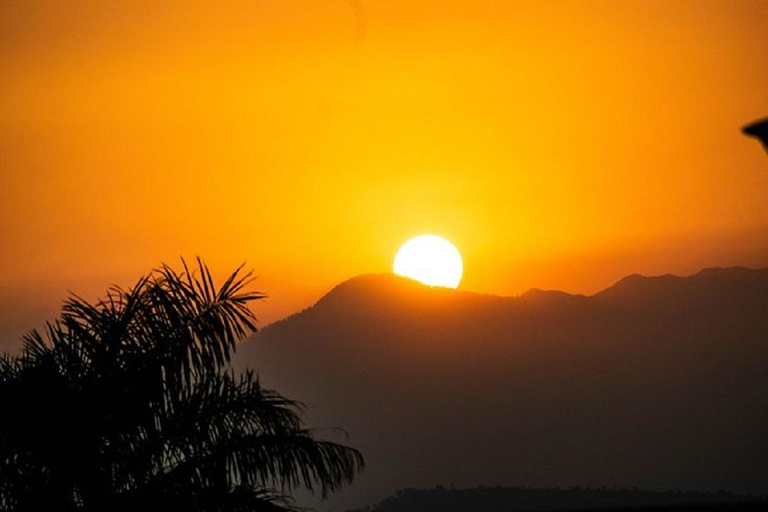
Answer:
(560, 146)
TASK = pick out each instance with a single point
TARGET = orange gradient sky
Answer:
(557, 144)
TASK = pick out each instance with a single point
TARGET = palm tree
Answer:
(130, 402)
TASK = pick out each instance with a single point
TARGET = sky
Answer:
(558, 145)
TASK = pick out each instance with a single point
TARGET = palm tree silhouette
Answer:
(129, 402)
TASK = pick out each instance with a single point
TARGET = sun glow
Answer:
(431, 260)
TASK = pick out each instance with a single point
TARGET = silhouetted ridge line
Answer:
(706, 282)
(655, 382)
(389, 290)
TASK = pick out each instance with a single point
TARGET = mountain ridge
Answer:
(629, 284)
(655, 382)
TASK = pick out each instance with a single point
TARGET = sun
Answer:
(431, 260)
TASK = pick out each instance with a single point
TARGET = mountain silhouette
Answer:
(655, 382)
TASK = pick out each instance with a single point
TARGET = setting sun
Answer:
(430, 259)
(205, 205)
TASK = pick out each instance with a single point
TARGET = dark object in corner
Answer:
(759, 130)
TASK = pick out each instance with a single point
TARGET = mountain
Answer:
(655, 382)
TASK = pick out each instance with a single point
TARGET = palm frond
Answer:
(147, 411)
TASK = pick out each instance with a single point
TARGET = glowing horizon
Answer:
(560, 146)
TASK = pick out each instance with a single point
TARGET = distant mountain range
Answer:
(655, 382)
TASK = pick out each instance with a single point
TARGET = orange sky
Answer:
(557, 144)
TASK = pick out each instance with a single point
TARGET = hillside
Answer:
(656, 382)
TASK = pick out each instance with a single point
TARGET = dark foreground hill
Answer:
(518, 499)
(656, 382)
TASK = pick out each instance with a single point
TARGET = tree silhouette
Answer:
(129, 402)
